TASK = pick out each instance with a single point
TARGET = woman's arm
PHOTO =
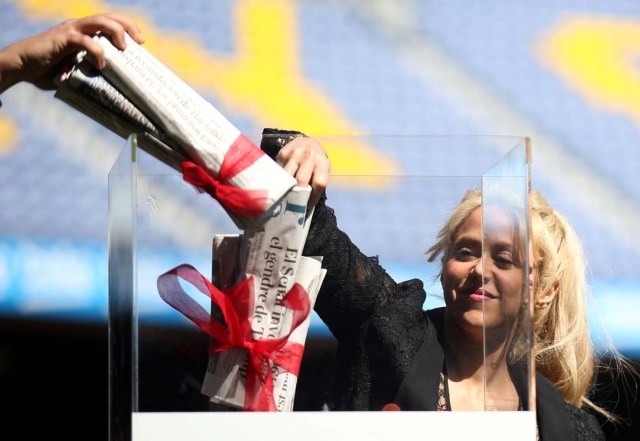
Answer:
(355, 285)
(379, 323)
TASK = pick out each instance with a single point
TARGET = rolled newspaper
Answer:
(262, 297)
(272, 257)
(151, 99)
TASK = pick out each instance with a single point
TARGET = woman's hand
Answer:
(37, 59)
(306, 160)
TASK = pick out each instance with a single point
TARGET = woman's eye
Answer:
(464, 253)
(504, 261)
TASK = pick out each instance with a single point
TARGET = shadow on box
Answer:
(185, 364)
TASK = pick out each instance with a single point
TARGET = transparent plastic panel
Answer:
(159, 357)
(122, 292)
(505, 292)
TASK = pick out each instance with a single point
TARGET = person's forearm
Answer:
(35, 59)
(9, 68)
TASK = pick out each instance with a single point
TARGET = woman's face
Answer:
(485, 292)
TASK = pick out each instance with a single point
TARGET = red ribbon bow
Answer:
(236, 305)
(243, 203)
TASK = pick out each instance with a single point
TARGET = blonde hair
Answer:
(562, 347)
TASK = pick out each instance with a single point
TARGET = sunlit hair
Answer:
(562, 348)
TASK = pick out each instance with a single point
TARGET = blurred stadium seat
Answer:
(438, 67)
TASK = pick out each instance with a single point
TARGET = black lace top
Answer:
(379, 324)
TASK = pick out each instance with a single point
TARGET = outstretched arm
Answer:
(355, 285)
(36, 59)
(379, 323)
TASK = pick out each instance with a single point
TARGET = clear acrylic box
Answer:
(157, 357)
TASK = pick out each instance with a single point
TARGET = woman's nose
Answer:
(476, 268)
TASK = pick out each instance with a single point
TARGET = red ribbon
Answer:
(243, 203)
(236, 305)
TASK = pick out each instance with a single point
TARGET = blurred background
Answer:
(565, 73)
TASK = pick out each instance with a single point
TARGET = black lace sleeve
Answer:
(378, 323)
(355, 285)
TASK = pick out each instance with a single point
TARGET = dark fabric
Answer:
(274, 139)
(389, 349)
(418, 390)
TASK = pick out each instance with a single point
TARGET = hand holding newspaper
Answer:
(136, 93)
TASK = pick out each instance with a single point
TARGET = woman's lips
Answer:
(479, 295)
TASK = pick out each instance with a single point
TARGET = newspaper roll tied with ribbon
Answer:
(237, 306)
(271, 257)
(143, 95)
(262, 293)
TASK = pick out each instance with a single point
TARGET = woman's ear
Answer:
(544, 300)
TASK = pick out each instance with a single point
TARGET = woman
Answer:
(391, 351)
